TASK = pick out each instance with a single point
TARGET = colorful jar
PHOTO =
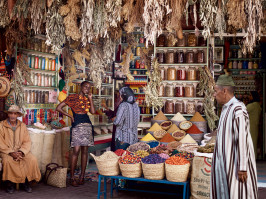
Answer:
(191, 39)
(160, 56)
(181, 73)
(179, 90)
(171, 74)
(190, 107)
(169, 90)
(169, 58)
(191, 74)
(180, 57)
(190, 56)
(161, 41)
(200, 56)
(189, 90)
(179, 106)
(169, 106)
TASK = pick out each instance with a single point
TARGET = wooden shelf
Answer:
(40, 106)
(183, 98)
(36, 52)
(184, 47)
(40, 70)
(40, 87)
(185, 64)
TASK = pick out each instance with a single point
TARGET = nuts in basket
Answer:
(179, 134)
(185, 125)
(166, 125)
(159, 134)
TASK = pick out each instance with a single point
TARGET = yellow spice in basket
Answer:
(148, 137)
(173, 128)
(197, 118)
(160, 116)
(155, 127)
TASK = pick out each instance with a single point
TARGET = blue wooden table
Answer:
(115, 179)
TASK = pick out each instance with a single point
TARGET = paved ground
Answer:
(89, 190)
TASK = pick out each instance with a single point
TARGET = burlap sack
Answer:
(57, 150)
(37, 145)
(65, 143)
(47, 151)
(200, 178)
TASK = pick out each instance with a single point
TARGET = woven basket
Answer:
(153, 171)
(108, 167)
(183, 127)
(158, 135)
(179, 138)
(158, 143)
(131, 170)
(202, 126)
(167, 127)
(177, 173)
(173, 145)
(130, 148)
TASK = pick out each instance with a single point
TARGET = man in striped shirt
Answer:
(234, 172)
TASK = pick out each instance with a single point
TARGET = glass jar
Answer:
(182, 42)
(169, 58)
(189, 90)
(160, 56)
(46, 97)
(191, 39)
(180, 57)
(250, 64)
(181, 73)
(161, 91)
(230, 65)
(191, 74)
(161, 41)
(169, 90)
(245, 65)
(179, 106)
(46, 80)
(171, 74)
(170, 40)
(29, 97)
(33, 97)
(255, 65)
(179, 90)
(43, 80)
(163, 73)
(200, 56)
(169, 106)
(239, 53)
(26, 96)
(190, 107)
(39, 79)
(200, 107)
(239, 65)
(235, 65)
(190, 56)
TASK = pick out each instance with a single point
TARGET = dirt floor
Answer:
(88, 190)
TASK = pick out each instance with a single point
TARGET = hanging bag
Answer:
(55, 175)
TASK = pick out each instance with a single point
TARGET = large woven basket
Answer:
(202, 126)
(177, 173)
(108, 167)
(153, 171)
(131, 170)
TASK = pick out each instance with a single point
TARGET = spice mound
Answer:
(160, 116)
(138, 146)
(178, 117)
(130, 159)
(197, 118)
(188, 139)
(153, 144)
(176, 160)
(193, 130)
(167, 138)
(153, 159)
(142, 153)
(173, 128)
(164, 156)
(148, 137)
(155, 127)
(120, 152)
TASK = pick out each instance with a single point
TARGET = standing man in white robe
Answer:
(233, 174)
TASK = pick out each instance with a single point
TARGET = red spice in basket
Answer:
(193, 130)
(167, 138)
(176, 160)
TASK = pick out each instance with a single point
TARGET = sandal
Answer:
(81, 181)
(73, 182)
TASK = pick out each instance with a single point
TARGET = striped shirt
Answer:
(233, 152)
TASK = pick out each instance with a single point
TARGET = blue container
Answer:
(43, 63)
(245, 65)
(29, 61)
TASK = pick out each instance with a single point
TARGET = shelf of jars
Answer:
(40, 106)
(179, 63)
(243, 59)
(30, 51)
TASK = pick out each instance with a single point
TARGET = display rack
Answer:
(185, 65)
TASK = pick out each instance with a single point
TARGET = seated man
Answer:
(19, 165)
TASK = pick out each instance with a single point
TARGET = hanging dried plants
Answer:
(86, 23)
(113, 11)
(220, 24)
(236, 15)
(4, 16)
(206, 87)
(37, 14)
(134, 15)
(208, 11)
(253, 31)
(55, 30)
(100, 25)
(70, 12)
(153, 16)
(151, 90)
(20, 10)
(174, 18)
(21, 74)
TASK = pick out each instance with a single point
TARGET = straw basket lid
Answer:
(4, 86)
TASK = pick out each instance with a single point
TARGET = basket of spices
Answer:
(179, 134)
(185, 125)
(154, 127)
(107, 163)
(177, 169)
(166, 125)
(178, 118)
(173, 145)
(130, 166)
(138, 146)
(159, 134)
(153, 167)
(153, 143)
(167, 138)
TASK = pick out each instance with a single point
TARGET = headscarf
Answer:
(127, 95)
